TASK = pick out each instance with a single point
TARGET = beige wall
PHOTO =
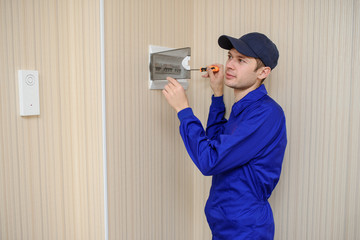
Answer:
(150, 179)
(317, 84)
(51, 182)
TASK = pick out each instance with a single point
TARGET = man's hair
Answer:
(259, 64)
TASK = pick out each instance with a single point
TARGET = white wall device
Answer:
(29, 93)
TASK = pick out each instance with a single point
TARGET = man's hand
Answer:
(175, 95)
(216, 80)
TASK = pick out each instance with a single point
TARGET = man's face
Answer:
(240, 71)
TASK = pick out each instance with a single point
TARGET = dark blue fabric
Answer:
(244, 155)
(253, 44)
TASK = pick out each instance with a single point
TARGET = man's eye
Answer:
(229, 56)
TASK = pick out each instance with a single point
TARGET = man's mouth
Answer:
(229, 75)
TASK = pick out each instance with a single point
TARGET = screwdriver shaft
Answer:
(214, 69)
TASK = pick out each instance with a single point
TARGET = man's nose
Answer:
(229, 64)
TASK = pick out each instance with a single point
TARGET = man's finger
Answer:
(173, 81)
(210, 72)
(168, 88)
(206, 75)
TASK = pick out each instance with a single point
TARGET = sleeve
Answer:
(216, 119)
(214, 156)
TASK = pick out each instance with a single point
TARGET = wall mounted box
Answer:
(168, 62)
(29, 92)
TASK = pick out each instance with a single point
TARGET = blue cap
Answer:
(255, 45)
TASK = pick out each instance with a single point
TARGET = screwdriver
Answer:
(215, 69)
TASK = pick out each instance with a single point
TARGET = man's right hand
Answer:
(175, 95)
(216, 80)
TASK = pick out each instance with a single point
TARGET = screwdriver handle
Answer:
(215, 69)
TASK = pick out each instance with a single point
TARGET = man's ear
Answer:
(264, 72)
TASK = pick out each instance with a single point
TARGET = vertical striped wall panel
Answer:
(150, 186)
(51, 183)
(317, 84)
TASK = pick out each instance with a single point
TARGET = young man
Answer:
(243, 154)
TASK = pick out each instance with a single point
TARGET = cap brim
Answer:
(227, 42)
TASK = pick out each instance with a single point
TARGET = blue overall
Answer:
(244, 155)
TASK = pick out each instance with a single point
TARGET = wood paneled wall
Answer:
(51, 182)
(317, 84)
(150, 182)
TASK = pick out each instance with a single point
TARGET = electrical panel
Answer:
(167, 62)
